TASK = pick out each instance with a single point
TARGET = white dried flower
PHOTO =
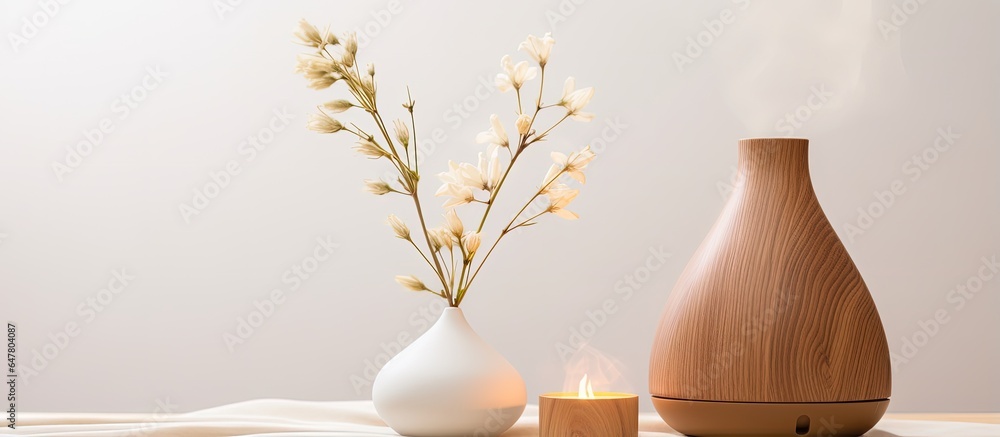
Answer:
(308, 34)
(514, 76)
(370, 149)
(351, 43)
(464, 174)
(324, 124)
(453, 223)
(489, 169)
(402, 133)
(575, 163)
(495, 135)
(560, 196)
(575, 100)
(320, 71)
(457, 194)
(569, 85)
(371, 69)
(550, 177)
(398, 227)
(523, 123)
(369, 86)
(377, 187)
(441, 237)
(338, 106)
(311, 36)
(538, 48)
(411, 283)
(432, 235)
(471, 241)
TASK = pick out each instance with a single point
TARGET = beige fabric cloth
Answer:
(285, 418)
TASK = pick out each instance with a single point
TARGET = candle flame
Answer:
(586, 390)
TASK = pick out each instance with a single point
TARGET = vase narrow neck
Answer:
(774, 164)
(453, 317)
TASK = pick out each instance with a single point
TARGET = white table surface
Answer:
(275, 417)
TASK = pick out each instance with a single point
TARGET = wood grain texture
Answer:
(771, 308)
(616, 415)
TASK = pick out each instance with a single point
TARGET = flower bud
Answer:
(523, 123)
(351, 43)
(472, 242)
(338, 106)
(454, 224)
(411, 283)
(441, 238)
(370, 149)
(399, 227)
(377, 188)
(402, 133)
(324, 124)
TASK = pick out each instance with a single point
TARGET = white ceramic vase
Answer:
(449, 382)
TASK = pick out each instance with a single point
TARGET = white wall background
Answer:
(656, 184)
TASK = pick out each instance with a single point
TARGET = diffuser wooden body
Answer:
(770, 330)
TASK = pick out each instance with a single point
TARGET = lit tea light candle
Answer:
(587, 413)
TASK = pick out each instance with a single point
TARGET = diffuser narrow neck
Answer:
(774, 164)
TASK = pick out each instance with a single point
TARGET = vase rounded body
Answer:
(449, 382)
(770, 324)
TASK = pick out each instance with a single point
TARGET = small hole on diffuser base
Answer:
(802, 425)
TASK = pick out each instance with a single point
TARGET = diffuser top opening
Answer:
(783, 139)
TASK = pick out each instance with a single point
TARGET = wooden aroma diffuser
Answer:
(770, 330)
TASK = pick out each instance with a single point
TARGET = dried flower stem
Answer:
(413, 126)
(421, 252)
(510, 227)
(543, 134)
(520, 147)
(409, 177)
(322, 68)
(437, 264)
(523, 143)
(412, 181)
(538, 107)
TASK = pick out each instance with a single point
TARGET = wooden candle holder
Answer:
(607, 414)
